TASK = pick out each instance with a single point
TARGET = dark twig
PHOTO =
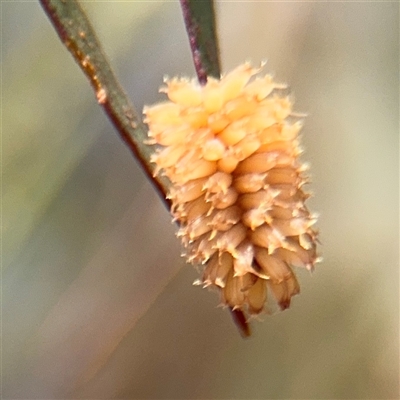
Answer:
(75, 31)
(240, 320)
(200, 24)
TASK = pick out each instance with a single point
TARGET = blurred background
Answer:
(97, 302)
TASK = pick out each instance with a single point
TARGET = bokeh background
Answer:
(97, 302)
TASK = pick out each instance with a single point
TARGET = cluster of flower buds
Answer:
(230, 149)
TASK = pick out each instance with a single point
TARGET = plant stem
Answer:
(77, 34)
(200, 24)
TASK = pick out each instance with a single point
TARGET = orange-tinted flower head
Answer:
(231, 150)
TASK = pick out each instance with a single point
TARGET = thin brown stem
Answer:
(200, 24)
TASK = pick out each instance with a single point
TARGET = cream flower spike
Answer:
(231, 151)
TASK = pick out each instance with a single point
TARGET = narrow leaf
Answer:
(77, 34)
